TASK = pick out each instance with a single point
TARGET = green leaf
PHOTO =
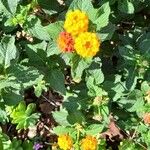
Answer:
(107, 32)
(56, 80)
(59, 130)
(49, 6)
(94, 90)
(145, 47)
(131, 79)
(100, 17)
(82, 5)
(94, 129)
(61, 117)
(52, 49)
(145, 87)
(8, 82)
(37, 55)
(75, 117)
(133, 101)
(39, 88)
(54, 29)
(8, 51)
(78, 65)
(27, 145)
(3, 116)
(10, 98)
(25, 76)
(36, 29)
(23, 116)
(30, 108)
(127, 145)
(98, 76)
(1, 145)
(117, 87)
(126, 6)
(6, 143)
(4, 10)
(10, 5)
(127, 52)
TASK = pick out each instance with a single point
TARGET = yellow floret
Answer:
(89, 143)
(76, 22)
(65, 142)
(87, 44)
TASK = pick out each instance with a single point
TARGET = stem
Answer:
(78, 136)
(77, 141)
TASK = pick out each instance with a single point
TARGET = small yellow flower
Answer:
(89, 143)
(87, 44)
(146, 118)
(76, 22)
(65, 142)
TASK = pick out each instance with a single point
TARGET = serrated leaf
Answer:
(8, 51)
(82, 5)
(78, 65)
(61, 117)
(52, 49)
(26, 76)
(4, 10)
(131, 79)
(56, 80)
(49, 6)
(134, 101)
(36, 29)
(94, 129)
(145, 47)
(10, 5)
(126, 6)
(75, 117)
(23, 117)
(59, 130)
(54, 29)
(100, 17)
(11, 98)
(107, 32)
(97, 75)
(37, 55)
(3, 116)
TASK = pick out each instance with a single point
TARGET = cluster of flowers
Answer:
(76, 36)
(65, 142)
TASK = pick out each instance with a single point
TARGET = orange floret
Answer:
(65, 42)
(146, 118)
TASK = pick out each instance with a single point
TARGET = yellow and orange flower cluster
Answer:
(65, 142)
(85, 43)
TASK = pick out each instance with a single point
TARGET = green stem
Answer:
(77, 142)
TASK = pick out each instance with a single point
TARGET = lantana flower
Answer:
(87, 44)
(65, 42)
(89, 143)
(76, 22)
(65, 142)
(146, 118)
